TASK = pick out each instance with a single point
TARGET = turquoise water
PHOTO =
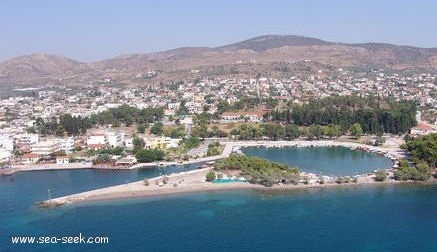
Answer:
(334, 161)
(227, 181)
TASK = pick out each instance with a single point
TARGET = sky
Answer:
(92, 30)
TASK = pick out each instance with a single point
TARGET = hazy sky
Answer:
(89, 30)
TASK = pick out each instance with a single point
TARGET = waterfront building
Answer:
(115, 139)
(97, 139)
(30, 158)
(62, 160)
(5, 156)
(46, 147)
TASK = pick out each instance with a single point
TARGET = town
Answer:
(183, 108)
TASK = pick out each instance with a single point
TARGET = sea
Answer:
(356, 218)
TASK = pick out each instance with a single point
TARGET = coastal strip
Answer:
(45, 167)
(394, 153)
(194, 181)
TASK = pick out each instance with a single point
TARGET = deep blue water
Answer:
(334, 161)
(381, 218)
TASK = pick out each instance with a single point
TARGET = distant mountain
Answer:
(265, 53)
(38, 65)
(264, 43)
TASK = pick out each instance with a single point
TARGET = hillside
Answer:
(261, 54)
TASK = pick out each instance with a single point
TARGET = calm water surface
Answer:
(334, 161)
(381, 218)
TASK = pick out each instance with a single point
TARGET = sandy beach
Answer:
(194, 181)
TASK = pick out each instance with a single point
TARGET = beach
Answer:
(194, 181)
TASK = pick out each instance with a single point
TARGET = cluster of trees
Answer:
(128, 115)
(65, 123)
(146, 156)
(174, 131)
(424, 149)
(189, 143)
(424, 153)
(157, 129)
(276, 131)
(406, 172)
(375, 116)
(143, 155)
(214, 149)
(202, 131)
(259, 170)
(73, 125)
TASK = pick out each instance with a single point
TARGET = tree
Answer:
(183, 110)
(222, 106)
(292, 132)
(316, 131)
(210, 176)
(174, 132)
(200, 131)
(380, 175)
(146, 156)
(406, 172)
(393, 117)
(141, 128)
(424, 149)
(138, 144)
(356, 130)
(274, 131)
(331, 131)
(424, 173)
(258, 170)
(157, 128)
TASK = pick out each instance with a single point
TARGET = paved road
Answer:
(201, 150)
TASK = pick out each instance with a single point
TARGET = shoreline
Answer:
(394, 153)
(194, 181)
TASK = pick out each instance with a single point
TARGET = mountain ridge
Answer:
(264, 49)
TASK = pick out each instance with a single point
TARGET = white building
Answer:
(62, 160)
(5, 156)
(46, 147)
(97, 139)
(115, 139)
(6, 142)
(67, 144)
(129, 143)
(174, 106)
(26, 139)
